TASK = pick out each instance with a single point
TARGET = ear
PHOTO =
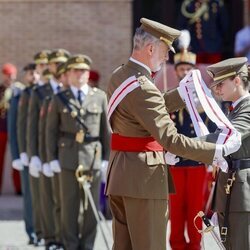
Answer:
(150, 49)
(237, 80)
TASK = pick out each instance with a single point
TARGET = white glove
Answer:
(223, 165)
(232, 144)
(24, 159)
(47, 171)
(35, 166)
(104, 168)
(17, 164)
(171, 159)
(55, 166)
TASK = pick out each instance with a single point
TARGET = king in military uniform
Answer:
(138, 180)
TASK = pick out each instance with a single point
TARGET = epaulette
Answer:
(19, 85)
(142, 79)
(117, 69)
(97, 91)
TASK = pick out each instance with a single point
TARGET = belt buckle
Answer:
(223, 231)
(80, 136)
(229, 184)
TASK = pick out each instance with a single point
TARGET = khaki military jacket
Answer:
(42, 128)
(240, 197)
(37, 96)
(22, 117)
(62, 128)
(145, 112)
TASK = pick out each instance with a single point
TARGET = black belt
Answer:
(239, 164)
(234, 166)
(87, 138)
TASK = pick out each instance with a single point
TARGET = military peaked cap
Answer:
(160, 31)
(79, 62)
(227, 68)
(58, 56)
(42, 57)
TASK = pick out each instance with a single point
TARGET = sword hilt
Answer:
(82, 175)
(206, 221)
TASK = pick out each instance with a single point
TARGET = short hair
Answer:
(30, 66)
(142, 38)
(245, 77)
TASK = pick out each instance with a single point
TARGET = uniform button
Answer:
(192, 132)
(62, 144)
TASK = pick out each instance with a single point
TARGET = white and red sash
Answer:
(210, 106)
(120, 93)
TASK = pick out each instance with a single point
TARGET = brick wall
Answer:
(98, 28)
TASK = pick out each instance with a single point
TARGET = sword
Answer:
(209, 229)
(210, 197)
(85, 181)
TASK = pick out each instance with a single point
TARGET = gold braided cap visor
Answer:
(78, 66)
(58, 59)
(224, 76)
(41, 61)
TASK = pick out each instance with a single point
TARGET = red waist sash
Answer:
(134, 144)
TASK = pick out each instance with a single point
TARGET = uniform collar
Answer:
(239, 100)
(54, 85)
(84, 89)
(141, 64)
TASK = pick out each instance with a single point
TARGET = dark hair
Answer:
(30, 66)
(244, 76)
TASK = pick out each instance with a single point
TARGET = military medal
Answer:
(80, 136)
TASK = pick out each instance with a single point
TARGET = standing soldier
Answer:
(189, 176)
(78, 134)
(41, 61)
(48, 205)
(30, 78)
(138, 181)
(231, 78)
(49, 179)
(35, 102)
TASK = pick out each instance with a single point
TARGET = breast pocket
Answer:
(93, 114)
